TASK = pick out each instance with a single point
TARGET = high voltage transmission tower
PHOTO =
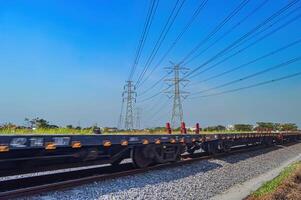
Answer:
(129, 97)
(176, 93)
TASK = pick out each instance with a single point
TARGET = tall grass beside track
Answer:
(287, 185)
(46, 131)
(58, 131)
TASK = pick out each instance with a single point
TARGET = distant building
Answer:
(110, 129)
(191, 128)
(230, 127)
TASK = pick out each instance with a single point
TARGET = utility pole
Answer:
(129, 96)
(176, 93)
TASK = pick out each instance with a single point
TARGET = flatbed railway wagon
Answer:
(30, 153)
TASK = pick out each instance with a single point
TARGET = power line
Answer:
(215, 30)
(253, 61)
(157, 94)
(250, 45)
(153, 107)
(250, 86)
(153, 85)
(186, 27)
(166, 28)
(147, 25)
(286, 63)
(257, 8)
(159, 109)
(129, 94)
(274, 15)
(269, 26)
(243, 37)
(151, 97)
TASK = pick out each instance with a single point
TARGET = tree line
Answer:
(40, 123)
(259, 126)
(242, 127)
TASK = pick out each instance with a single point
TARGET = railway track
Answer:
(26, 186)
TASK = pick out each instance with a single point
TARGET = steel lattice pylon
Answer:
(177, 94)
(129, 97)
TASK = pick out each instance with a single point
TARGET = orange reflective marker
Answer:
(124, 143)
(107, 143)
(172, 141)
(4, 148)
(76, 144)
(145, 141)
(50, 146)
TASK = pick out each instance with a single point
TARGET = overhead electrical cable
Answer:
(158, 93)
(146, 28)
(154, 85)
(162, 36)
(151, 97)
(281, 18)
(157, 111)
(250, 45)
(215, 30)
(272, 53)
(256, 9)
(251, 86)
(150, 109)
(149, 19)
(239, 40)
(283, 64)
(186, 28)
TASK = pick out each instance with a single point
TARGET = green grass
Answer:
(272, 185)
(45, 131)
(90, 131)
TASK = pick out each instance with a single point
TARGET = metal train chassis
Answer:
(31, 153)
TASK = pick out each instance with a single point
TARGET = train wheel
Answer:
(140, 159)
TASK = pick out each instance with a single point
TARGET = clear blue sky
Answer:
(67, 61)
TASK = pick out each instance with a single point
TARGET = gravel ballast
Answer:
(199, 180)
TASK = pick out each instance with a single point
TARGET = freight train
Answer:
(31, 153)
